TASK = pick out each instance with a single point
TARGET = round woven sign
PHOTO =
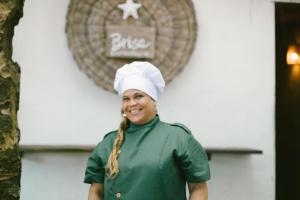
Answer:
(172, 23)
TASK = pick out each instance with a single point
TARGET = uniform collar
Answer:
(135, 127)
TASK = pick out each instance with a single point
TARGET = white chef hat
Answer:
(142, 76)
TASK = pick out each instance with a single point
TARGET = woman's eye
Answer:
(125, 99)
(139, 96)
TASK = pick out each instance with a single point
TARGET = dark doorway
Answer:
(287, 104)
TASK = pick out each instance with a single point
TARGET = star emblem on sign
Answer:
(129, 9)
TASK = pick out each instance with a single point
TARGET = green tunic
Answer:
(155, 162)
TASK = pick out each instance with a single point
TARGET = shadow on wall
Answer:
(236, 172)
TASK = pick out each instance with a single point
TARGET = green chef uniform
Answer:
(156, 161)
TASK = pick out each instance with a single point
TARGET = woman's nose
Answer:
(132, 102)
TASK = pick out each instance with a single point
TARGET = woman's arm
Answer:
(96, 191)
(198, 191)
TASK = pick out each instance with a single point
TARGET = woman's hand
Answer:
(96, 191)
(198, 191)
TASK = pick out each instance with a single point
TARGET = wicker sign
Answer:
(130, 41)
(103, 35)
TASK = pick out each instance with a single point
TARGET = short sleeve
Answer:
(193, 160)
(95, 170)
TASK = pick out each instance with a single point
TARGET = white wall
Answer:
(225, 95)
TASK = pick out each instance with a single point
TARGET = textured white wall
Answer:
(225, 95)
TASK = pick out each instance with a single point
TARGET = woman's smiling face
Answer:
(138, 106)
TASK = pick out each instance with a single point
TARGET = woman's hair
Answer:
(112, 167)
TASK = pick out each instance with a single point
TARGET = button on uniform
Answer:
(118, 195)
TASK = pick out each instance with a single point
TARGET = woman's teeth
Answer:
(134, 111)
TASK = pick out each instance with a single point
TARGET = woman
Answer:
(146, 159)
